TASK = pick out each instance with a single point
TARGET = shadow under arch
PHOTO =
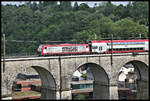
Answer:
(142, 78)
(142, 69)
(101, 81)
(48, 87)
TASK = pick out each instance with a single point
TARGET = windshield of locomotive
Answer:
(40, 47)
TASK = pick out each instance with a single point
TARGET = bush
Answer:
(79, 97)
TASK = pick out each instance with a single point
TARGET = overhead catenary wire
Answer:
(46, 41)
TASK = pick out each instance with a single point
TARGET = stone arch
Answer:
(142, 78)
(10, 78)
(101, 81)
(142, 69)
(48, 88)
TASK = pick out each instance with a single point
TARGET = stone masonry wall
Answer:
(68, 66)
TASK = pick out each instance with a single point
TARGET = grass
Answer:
(26, 93)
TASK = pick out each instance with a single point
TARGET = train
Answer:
(103, 46)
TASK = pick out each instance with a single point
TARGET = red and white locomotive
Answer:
(63, 49)
(118, 46)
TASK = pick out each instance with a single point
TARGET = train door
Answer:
(99, 47)
(102, 47)
(146, 46)
(94, 48)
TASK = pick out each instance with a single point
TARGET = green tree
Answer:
(139, 10)
(120, 11)
(108, 9)
(84, 76)
(84, 7)
(128, 28)
(76, 7)
(65, 5)
(49, 3)
(79, 97)
(34, 6)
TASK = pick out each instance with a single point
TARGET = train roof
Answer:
(66, 45)
(109, 41)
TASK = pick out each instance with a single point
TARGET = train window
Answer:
(141, 48)
(17, 87)
(125, 49)
(24, 86)
(39, 49)
(110, 49)
(94, 47)
(100, 48)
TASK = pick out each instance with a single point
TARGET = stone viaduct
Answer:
(56, 73)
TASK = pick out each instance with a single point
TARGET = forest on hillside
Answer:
(29, 25)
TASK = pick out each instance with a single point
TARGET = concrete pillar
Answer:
(57, 95)
(100, 90)
(6, 85)
(142, 90)
(66, 87)
(113, 92)
(66, 95)
(48, 93)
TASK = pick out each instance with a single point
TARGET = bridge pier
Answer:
(6, 85)
(48, 93)
(100, 90)
(66, 95)
(113, 92)
(142, 90)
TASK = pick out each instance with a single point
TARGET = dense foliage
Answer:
(63, 22)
